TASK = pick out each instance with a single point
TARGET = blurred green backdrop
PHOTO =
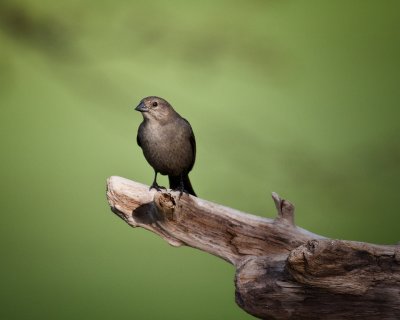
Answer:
(297, 97)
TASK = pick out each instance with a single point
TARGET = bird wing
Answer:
(192, 140)
(138, 135)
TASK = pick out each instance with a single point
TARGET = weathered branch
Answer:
(282, 271)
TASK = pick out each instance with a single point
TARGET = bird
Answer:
(168, 143)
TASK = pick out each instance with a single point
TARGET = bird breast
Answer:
(167, 147)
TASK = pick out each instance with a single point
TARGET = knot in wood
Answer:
(312, 246)
(166, 204)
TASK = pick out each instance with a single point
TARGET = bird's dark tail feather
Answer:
(175, 183)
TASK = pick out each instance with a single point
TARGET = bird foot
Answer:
(157, 187)
(181, 191)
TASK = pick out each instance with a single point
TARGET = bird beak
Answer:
(141, 107)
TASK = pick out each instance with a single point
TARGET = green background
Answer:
(297, 97)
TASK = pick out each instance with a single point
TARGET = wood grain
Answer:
(282, 271)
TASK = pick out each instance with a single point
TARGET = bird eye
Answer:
(155, 104)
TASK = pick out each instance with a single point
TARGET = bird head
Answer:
(155, 108)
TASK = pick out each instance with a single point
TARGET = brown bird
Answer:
(168, 143)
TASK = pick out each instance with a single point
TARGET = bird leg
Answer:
(155, 185)
(181, 187)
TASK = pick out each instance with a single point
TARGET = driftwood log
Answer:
(282, 271)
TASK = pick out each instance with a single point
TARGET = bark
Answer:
(282, 271)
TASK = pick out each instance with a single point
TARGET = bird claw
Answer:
(181, 190)
(157, 187)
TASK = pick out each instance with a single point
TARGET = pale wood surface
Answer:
(282, 271)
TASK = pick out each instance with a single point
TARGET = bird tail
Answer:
(175, 183)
